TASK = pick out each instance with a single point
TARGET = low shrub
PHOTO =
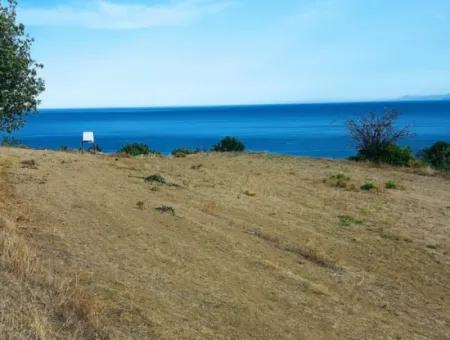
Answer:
(182, 152)
(375, 134)
(392, 154)
(229, 144)
(339, 181)
(368, 186)
(396, 155)
(346, 220)
(136, 149)
(390, 185)
(438, 155)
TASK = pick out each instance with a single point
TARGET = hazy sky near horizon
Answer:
(205, 52)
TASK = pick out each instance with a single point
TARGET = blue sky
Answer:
(101, 53)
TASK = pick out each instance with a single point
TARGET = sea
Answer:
(317, 130)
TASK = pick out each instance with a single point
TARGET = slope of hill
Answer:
(217, 246)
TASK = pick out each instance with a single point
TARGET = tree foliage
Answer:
(20, 85)
(438, 155)
(375, 134)
(136, 149)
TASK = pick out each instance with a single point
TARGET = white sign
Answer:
(88, 137)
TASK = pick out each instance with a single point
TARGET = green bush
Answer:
(367, 186)
(229, 144)
(183, 152)
(390, 185)
(392, 154)
(396, 155)
(438, 155)
(136, 149)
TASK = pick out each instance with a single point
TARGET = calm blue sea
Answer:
(305, 129)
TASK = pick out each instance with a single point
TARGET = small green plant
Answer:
(136, 149)
(12, 142)
(368, 186)
(166, 209)
(339, 181)
(182, 152)
(229, 144)
(346, 220)
(391, 185)
(155, 178)
(438, 155)
(140, 205)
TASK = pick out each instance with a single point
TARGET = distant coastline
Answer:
(437, 97)
(407, 98)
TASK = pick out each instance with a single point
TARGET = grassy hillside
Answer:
(217, 246)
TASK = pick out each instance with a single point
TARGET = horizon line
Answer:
(181, 106)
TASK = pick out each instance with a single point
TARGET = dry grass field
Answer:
(220, 246)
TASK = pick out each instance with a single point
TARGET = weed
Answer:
(368, 186)
(339, 181)
(166, 209)
(346, 220)
(183, 152)
(197, 166)
(391, 185)
(140, 205)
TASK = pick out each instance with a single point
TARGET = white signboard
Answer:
(88, 137)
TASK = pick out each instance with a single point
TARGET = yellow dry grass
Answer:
(256, 247)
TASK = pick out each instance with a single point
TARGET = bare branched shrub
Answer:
(373, 134)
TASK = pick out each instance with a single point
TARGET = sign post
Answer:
(88, 137)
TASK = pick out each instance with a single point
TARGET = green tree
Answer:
(20, 85)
